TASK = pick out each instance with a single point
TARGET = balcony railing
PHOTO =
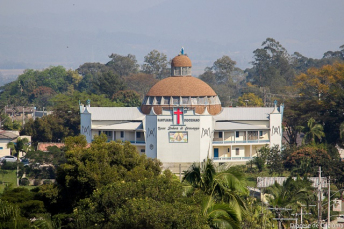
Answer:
(240, 142)
(137, 142)
(232, 158)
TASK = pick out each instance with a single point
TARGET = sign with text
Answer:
(178, 137)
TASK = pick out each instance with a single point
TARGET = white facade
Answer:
(182, 136)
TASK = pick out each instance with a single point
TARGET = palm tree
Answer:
(223, 185)
(21, 145)
(341, 130)
(290, 194)
(312, 131)
(221, 215)
(224, 205)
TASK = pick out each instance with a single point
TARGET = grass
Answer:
(251, 177)
(7, 179)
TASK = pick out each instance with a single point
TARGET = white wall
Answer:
(276, 129)
(151, 136)
(85, 126)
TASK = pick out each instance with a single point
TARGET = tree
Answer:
(221, 215)
(128, 98)
(260, 159)
(271, 66)
(140, 82)
(89, 168)
(221, 71)
(312, 131)
(156, 64)
(305, 161)
(21, 145)
(275, 161)
(225, 187)
(251, 100)
(156, 202)
(108, 83)
(290, 194)
(123, 65)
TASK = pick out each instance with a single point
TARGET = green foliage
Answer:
(123, 65)
(89, 168)
(256, 215)
(291, 193)
(260, 159)
(271, 66)
(21, 145)
(25, 200)
(226, 188)
(35, 86)
(128, 98)
(150, 203)
(24, 181)
(9, 125)
(274, 161)
(312, 131)
(9, 165)
(156, 64)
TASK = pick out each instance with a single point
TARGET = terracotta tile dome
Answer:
(181, 61)
(181, 86)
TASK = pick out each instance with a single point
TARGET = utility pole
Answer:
(23, 118)
(305, 213)
(319, 199)
(329, 203)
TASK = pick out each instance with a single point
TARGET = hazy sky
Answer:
(39, 33)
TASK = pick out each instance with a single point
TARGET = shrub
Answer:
(47, 182)
(24, 181)
(37, 182)
(9, 165)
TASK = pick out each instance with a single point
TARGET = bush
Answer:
(37, 182)
(9, 165)
(24, 181)
(47, 182)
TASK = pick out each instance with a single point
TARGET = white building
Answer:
(181, 121)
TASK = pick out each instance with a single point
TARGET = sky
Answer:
(38, 34)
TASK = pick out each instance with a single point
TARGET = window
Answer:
(175, 100)
(194, 100)
(138, 134)
(99, 132)
(143, 151)
(1, 147)
(107, 133)
(236, 134)
(151, 99)
(185, 100)
(166, 100)
(122, 134)
(228, 150)
(237, 151)
(177, 71)
(220, 134)
(158, 100)
(184, 71)
(260, 133)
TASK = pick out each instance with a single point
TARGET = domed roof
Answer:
(181, 61)
(181, 86)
